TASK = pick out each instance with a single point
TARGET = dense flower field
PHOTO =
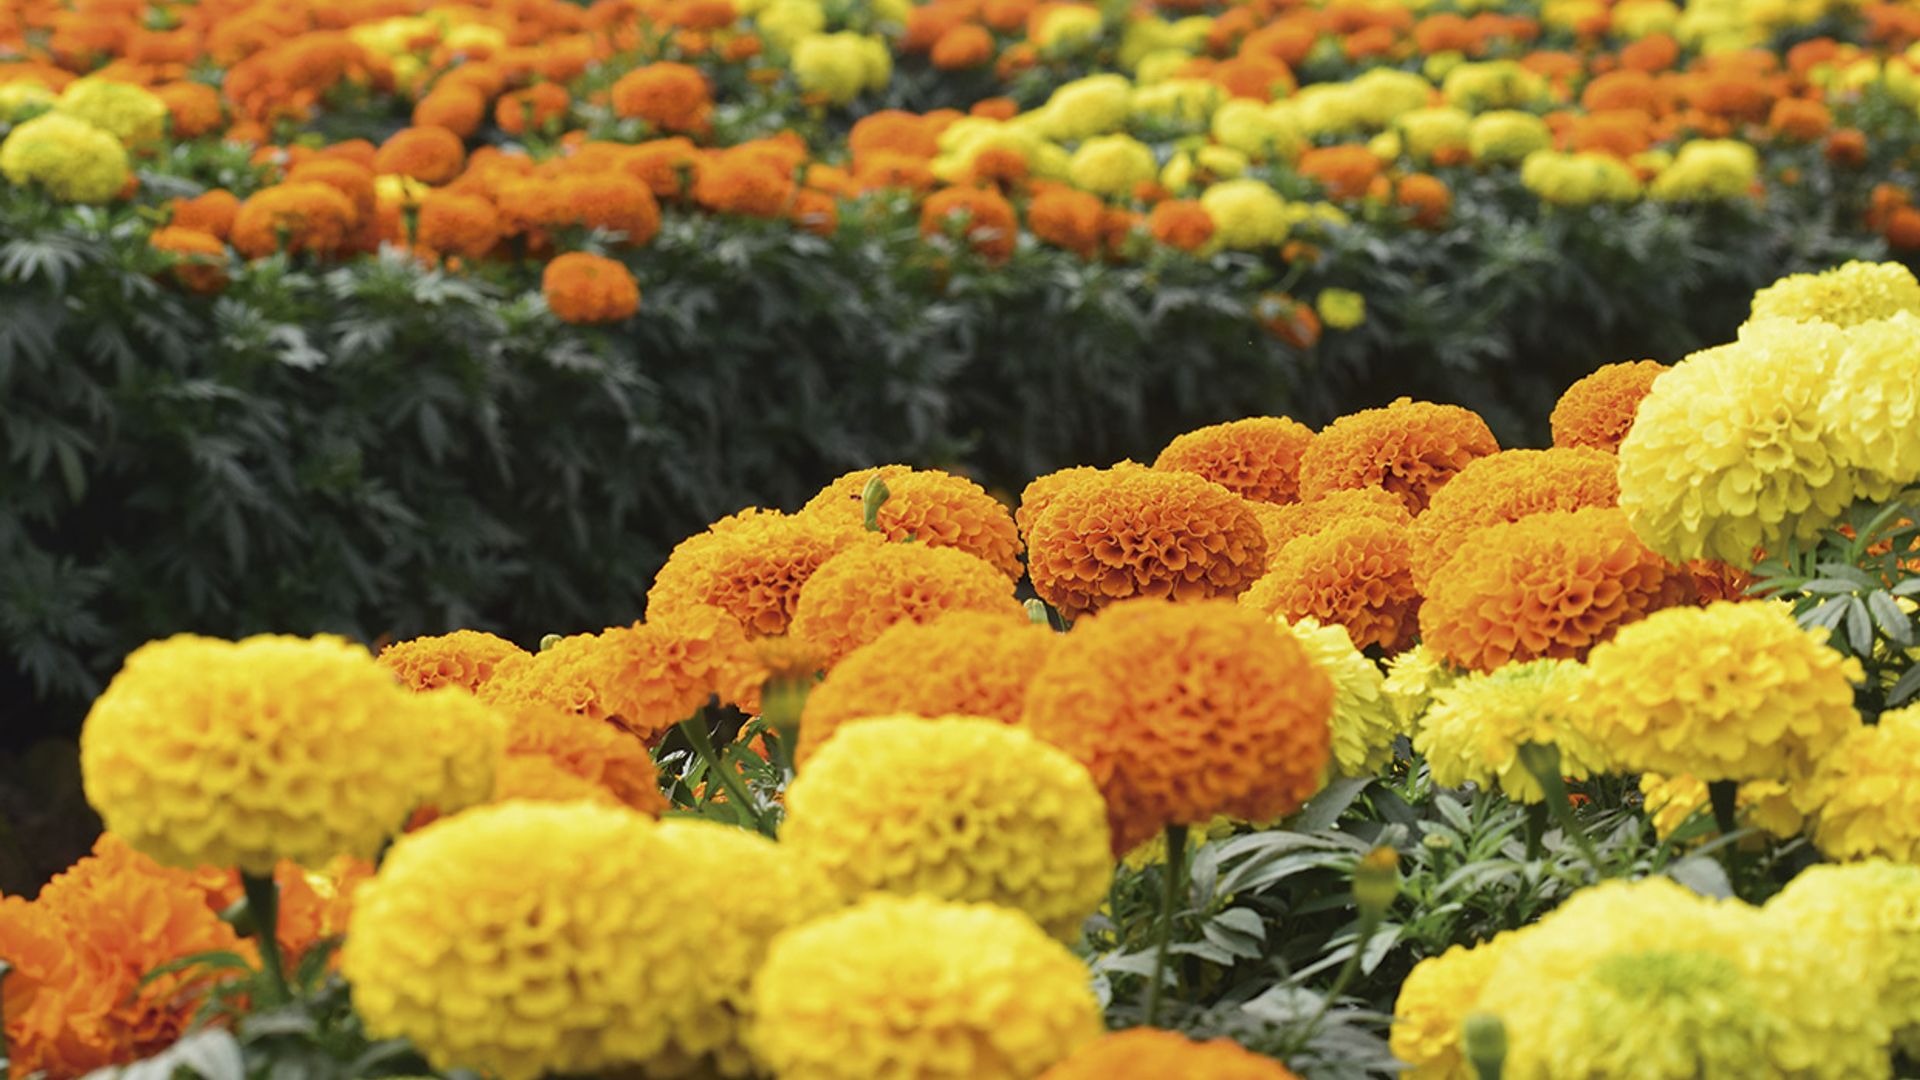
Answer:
(1312, 753)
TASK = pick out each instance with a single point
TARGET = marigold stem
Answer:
(737, 793)
(263, 910)
(1725, 797)
(1169, 904)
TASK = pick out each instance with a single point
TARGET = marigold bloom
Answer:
(1504, 487)
(1257, 458)
(987, 219)
(597, 753)
(296, 218)
(1136, 532)
(1865, 792)
(534, 108)
(1598, 410)
(1724, 692)
(1181, 223)
(929, 507)
(1852, 293)
(453, 224)
(860, 592)
(968, 45)
(210, 212)
(1345, 171)
(1364, 718)
(193, 109)
(583, 288)
(738, 183)
(1863, 912)
(910, 986)
(459, 108)
(1409, 448)
(201, 258)
(1437, 995)
(1219, 713)
(1873, 403)
(1282, 524)
(1665, 1013)
(237, 754)
(463, 658)
(613, 201)
(1473, 730)
(349, 178)
(1354, 573)
(471, 737)
(70, 158)
(752, 565)
(666, 166)
(672, 97)
(1151, 1054)
(1007, 819)
(431, 155)
(1067, 219)
(1042, 490)
(969, 663)
(131, 114)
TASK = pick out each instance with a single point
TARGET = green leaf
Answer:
(1896, 624)
(1907, 686)
(1325, 808)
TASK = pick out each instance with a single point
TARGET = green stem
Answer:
(1725, 797)
(1537, 815)
(263, 910)
(1369, 922)
(1169, 904)
(736, 789)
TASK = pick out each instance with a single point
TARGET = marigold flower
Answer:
(1505, 487)
(1345, 171)
(463, 658)
(237, 754)
(1865, 792)
(1040, 493)
(968, 663)
(1181, 223)
(349, 178)
(1136, 532)
(533, 778)
(1151, 1054)
(737, 183)
(1282, 524)
(1864, 911)
(666, 166)
(194, 109)
(534, 108)
(968, 45)
(1846, 295)
(752, 565)
(1257, 458)
(459, 108)
(1067, 219)
(296, 218)
(200, 257)
(431, 155)
(613, 201)
(1364, 718)
(858, 593)
(1353, 573)
(929, 507)
(583, 288)
(1662, 1013)
(209, 212)
(1409, 448)
(1220, 713)
(1598, 410)
(1007, 819)
(1873, 402)
(1475, 727)
(911, 986)
(596, 753)
(453, 224)
(1724, 692)
(471, 737)
(987, 217)
(672, 97)
(68, 157)
(131, 114)
(1437, 995)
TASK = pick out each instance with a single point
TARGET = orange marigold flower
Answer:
(733, 182)
(1292, 321)
(1068, 219)
(534, 778)
(1712, 581)
(666, 166)
(597, 753)
(966, 663)
(1799, 119)
(863, 590)
(1409, 448)
(1181, 223)
(349, 178)
(453, 224)
(995, 108)
(1283, 524)
(988, 220)
(1253, 75)
(1184, 713)
(894, 131)
(1040, 494)
(458, 107)
(193, 107)
(1257, 458)
(1428, 197)
(209, 212)
(1353, 573)
(1123, 533)
(613, 201)
(815, 211)
(314, 907)
(1345, 171)
(297, 218)
(1508, 486)
(583, 288)
(532, 109)
(1549, 585)
(671, 97)
(1598, 410)
(1847, 146)
(75, 999)
(431, 155)
(464, 658)
(968, 45)
(752, 566)
(200, 258)
(929, 507)
(1151, 1054)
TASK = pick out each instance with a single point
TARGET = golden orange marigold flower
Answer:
(1353, 573)
(968, 45)
(464, 658)
(194, 108)
(613, 201)
(349, 178)
(583, 288)
(1122, 533)
(1151, 1054)
(209, 212)
(458, 107)
(453, 224)
(929, 507)
(1068, 219)
(1409, 448)
(1181, 223)
(297, 218)
(987, 219)
(200, 258)
(966, 663)
(1427, 196)
(1282, 524)
(1552, 584)
(431, 155)
(672, 97)
(1345, 171)
(532, 109)
(1184, 713)
(1508, 486)
(735, 182)
(1257, 458)
(1040, 493)
(1598, 410)
(593, 752)
(666, 166)
(752, 565)
(866, 588)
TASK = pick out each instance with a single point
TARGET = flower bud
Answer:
(1376, 882)
(872, 498)
(1485, 1039)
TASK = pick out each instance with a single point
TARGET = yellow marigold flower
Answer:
(923, 988)
(1219, 713)
(1506, 487)
(1257, 458)
(1425, 133)
(840, 66)
(1409, 448)
(858, 593)
(1761, 804)
(1364, 722)
(73, 160)
(1255, 130)
(752, 566)
(929, 507)
(129, 113)
(1598, 410)
(1663, 1014)
(1873, 403)
(238, 754)
(1708, 169)
(1475, 727)
(972, 663)
(786, 22)
(533, 778)
(1849, 294)
(1413, 677)
(1579, 179)
(1142, 532)
(1507, 136)
(1340, 309)
(471, 737)
(1724, 692)
(22, 100)
(1727, 453)
(1067, 25)
(1437, 995)
(1866, 916)
(1494, 84)
(1005, 819)
(1247, 214)
(1866, 792)
(464, 658)
(1112, 165)
(1094, 105)
(1152, 1054)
